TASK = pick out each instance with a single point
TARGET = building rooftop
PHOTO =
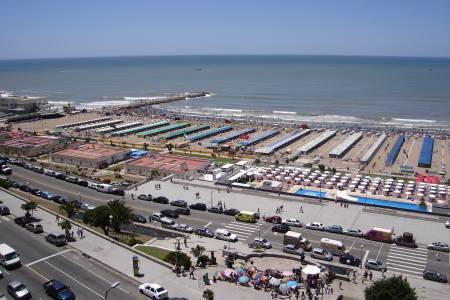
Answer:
(170, 162)
(30, 141)
(91, 151)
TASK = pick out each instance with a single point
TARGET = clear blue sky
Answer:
(76, 28)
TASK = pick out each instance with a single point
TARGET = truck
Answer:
(296, 239)
(406, 240)
(246, 216)
(379, 235)
(333, 246)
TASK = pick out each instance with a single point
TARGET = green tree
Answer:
(170, 147)
(208, 294)
(29, 207)
(392, 288)
(121, 214)
(66, 226)
(321, 168)
(70, 208)
(179, 258)
(145, 145)
(98, 217)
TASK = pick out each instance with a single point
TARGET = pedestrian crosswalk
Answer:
(411, 261)
(244, 230)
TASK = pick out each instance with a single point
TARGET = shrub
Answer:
(133, 241)
(203, 260)
(180, 258)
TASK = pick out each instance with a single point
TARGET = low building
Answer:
(32, 145)
(91, 155)
(21, 104)
(167, 164)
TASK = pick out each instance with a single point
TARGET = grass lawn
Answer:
(154, 251)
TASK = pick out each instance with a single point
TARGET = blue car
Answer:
(57, 290)
(47, 195)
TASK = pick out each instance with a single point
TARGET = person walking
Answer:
(301, 209)
(340, 285)
(57, 218)
(81, 233)
(185, 242)
(370, 275)
(191, 272)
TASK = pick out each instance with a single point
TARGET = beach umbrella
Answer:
(244, 279)
(311, 270)
(251, 269)
(292, 284)
(240, 271)
(274, 281)
(283, 288)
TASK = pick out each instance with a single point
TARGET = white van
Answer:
(8, 256)
(168, 223)
(223, 234)
(104, 188)
(333, 246)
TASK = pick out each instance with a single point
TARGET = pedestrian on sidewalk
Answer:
(185, 242)
(340, 285)
(132, 196)
(78, 232)
(81, 233)
(301, 209)
(370, 275)
(191, 273)
(57, 218)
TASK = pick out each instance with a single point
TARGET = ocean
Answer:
(385, 90)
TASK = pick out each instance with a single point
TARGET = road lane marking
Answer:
(405, 268)
(350, 249)
(93, 273)
(5, 218)
(207, 224)
(396, 262)
(401, 258)
(379, 251)
(397, 254)
(47, 257)
(77, 281)
(234, 227)
(38, 274)
(365, 257)
(406, 271)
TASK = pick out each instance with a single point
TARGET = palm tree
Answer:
(121, 214)
(70, 208)
(208, 294)
(29, 206)
(66, 226)
(197, 251)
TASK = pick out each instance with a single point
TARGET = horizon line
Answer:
(192, 55)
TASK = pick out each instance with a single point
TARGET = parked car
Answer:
(169, 213)
(215, 210)
(260, 243)
(434, 276)
(374, 264)
(18, 290)
(322, 254)
(273, 219)
(156, 217)
(447, 224)
(118, 192)
(183, 210)
(72, 179)
(24, 188)
(5, 170)
(4, 210)
(46, 195)
(61, 176)
(230, 212)
(178, 203)
(154, 291)
(87, 206)
(438, 246)
(50, 173)
(293, 222)
(145, 197)
(282, 228)
(334, 229)
(185, 228)
(348, 259)
(138, 218)
(202, 231)
(56, 238)
(38, 169)
(354, 232)
(59, 199)
(57, 290)
(315, 226)
(289, 248)
(34, 228)
(83, 183)
(198, 206)
(35, 192)
(161, 199)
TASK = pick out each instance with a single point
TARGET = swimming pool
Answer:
(391, 204)
(310, 193)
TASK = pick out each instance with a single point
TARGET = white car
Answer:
(185, 228)
(315, 226)
(87, 206)
(293, 222)
(354, 232)
(154, 291)
(438, 246)
(447, 224)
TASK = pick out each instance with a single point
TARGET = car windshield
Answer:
(227, 234)
(11, 255)
(19, 287)
(159, 290)
(264, 240)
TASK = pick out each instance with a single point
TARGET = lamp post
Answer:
(112, 286)
(362, 247)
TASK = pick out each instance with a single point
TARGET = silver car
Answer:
(447, 224)
(18, 290)
(293, 222)
(315, 226)
(260, 243)
(374, 264)
(354, 232)
(185, 228)
(438, 246)
(292, 250)
(320, 253)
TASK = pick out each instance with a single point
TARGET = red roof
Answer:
(91, 151)
(30, 141)
(170, 162)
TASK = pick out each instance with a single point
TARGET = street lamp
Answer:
(112, 286)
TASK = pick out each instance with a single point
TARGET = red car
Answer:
(274, 219)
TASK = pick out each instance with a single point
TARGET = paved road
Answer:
(42, 261)
(398, 259)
